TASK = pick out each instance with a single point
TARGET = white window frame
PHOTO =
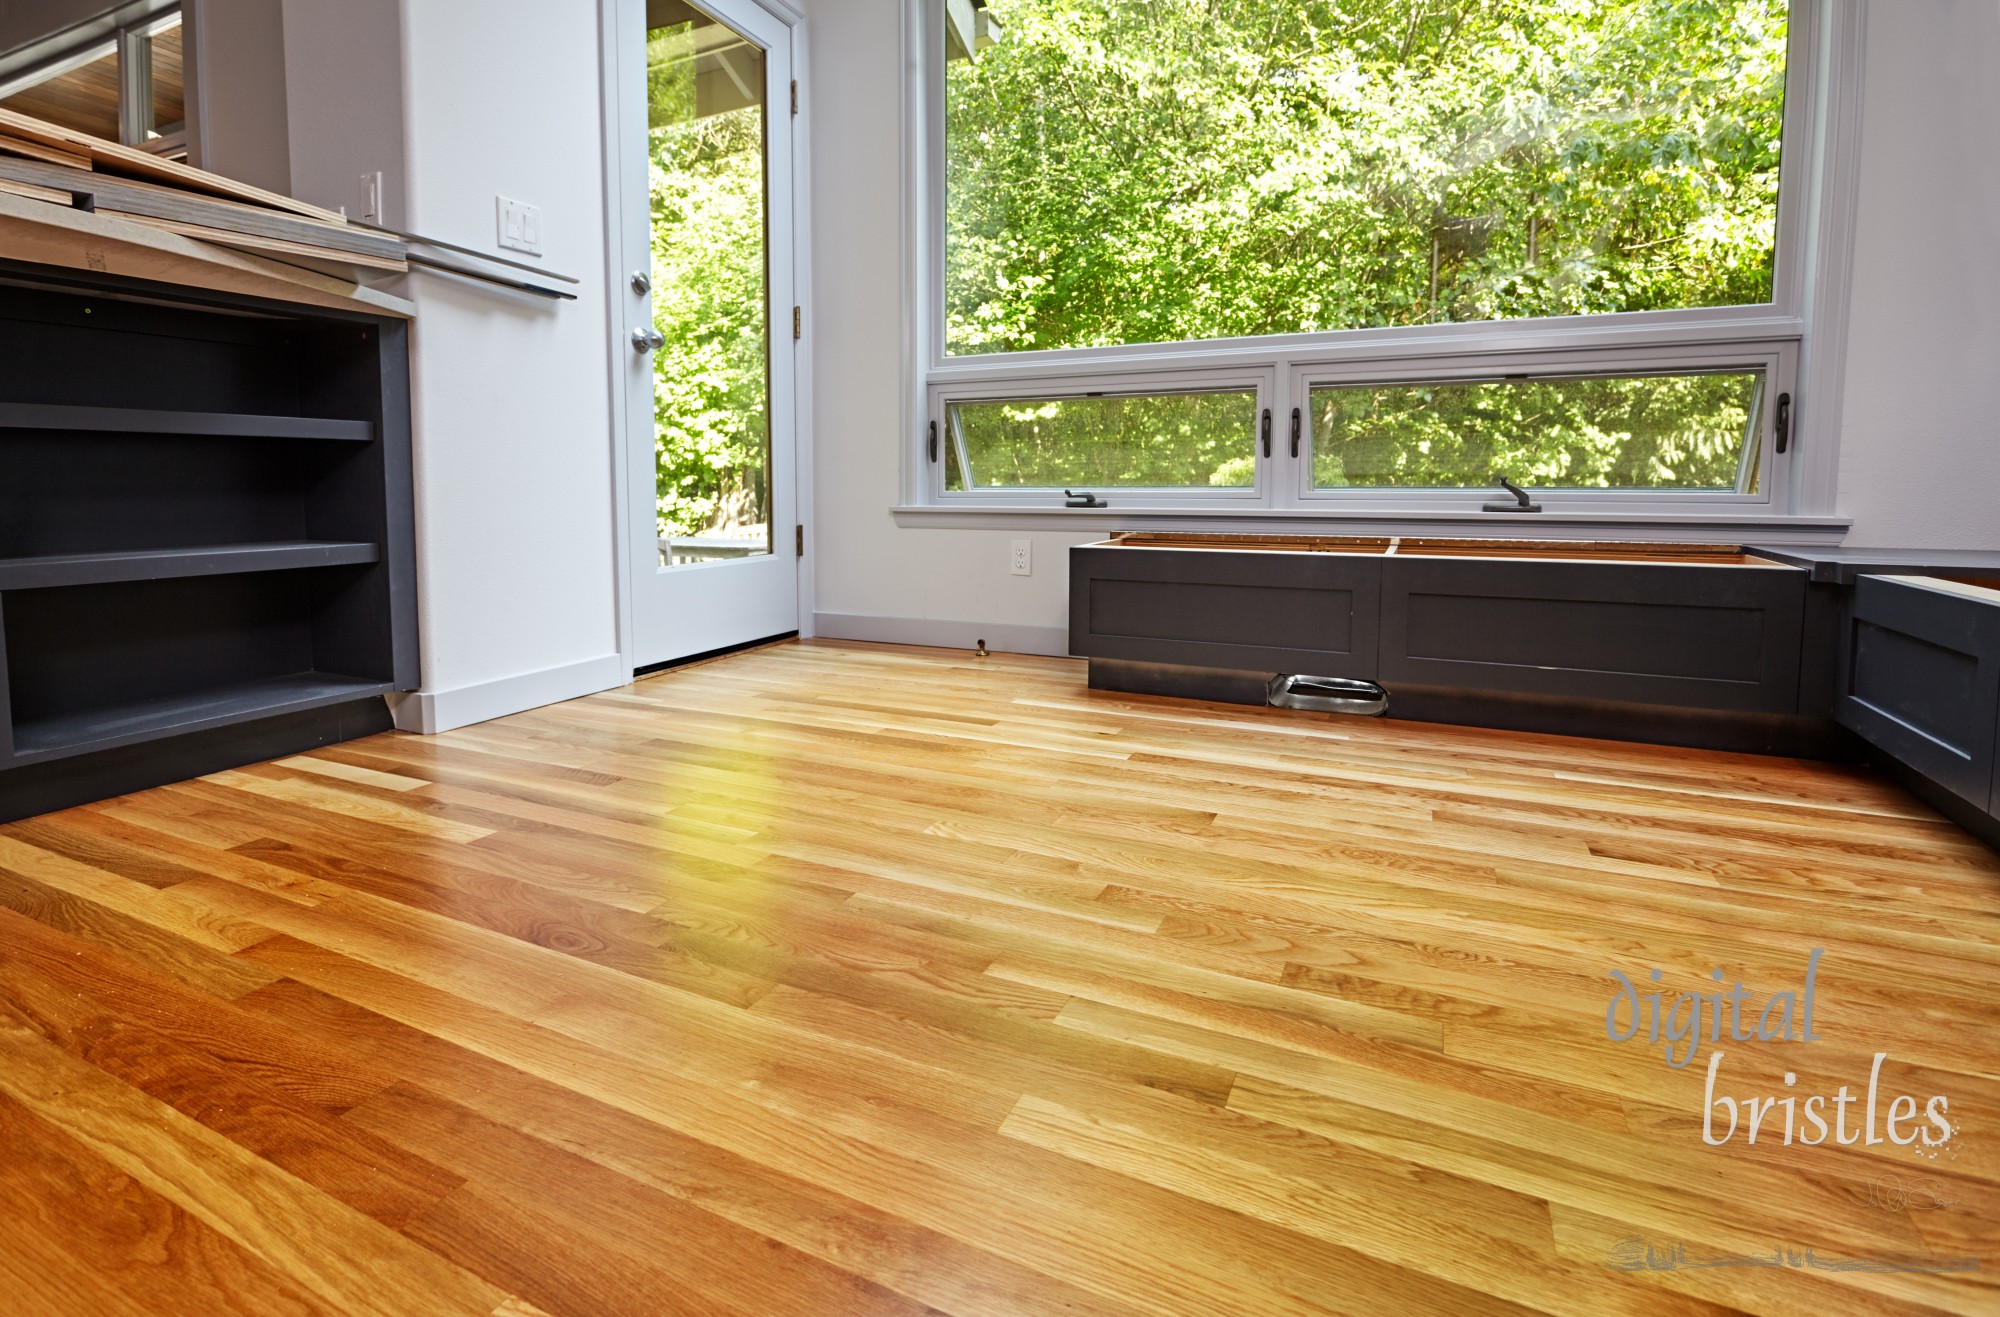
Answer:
(1263, 382)
(1777, 359)
(1798, 338)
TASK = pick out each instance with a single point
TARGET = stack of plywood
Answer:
(106, 188)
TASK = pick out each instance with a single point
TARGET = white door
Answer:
(705, 162)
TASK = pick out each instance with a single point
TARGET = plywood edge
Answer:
(54, 196)
(252, 242)
(53, 155)
(125, 158)
(43, 234)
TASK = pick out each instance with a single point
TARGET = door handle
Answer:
(648, 340)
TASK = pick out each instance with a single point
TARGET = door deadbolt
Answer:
(647, 340)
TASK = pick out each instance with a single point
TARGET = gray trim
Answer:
(391, 404)
(44, 740)
(1686, 635)
(1680, 527)
(1843, 565)
(59, 784)
(1983, 824)
(1258, 612)
(47, 570)
(1181, 682)
(6, 699)
(147, 420)
(1734, 731)
(943, 633)
(1924, 680)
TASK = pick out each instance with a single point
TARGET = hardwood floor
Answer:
(834, 979)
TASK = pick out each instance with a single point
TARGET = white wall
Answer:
(512, 393)
(1920, 452)
(237, 105)
(343, 67)
(1920, 448)
(956, 581)
(458, 101)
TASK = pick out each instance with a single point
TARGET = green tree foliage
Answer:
(1133, 440)
(1680, 432)
(710, 387)
(1130, 171)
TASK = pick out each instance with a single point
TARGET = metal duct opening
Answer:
(1327, 694)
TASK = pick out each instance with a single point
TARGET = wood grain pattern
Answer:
(116, 158)
(850, 979)
(43, 234)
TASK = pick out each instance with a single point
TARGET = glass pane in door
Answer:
(705, 127)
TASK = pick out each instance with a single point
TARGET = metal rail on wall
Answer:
(444, 266)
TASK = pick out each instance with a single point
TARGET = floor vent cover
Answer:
(1327, 694)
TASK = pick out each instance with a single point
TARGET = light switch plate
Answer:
(520, 226)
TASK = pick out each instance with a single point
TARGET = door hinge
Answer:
(801, 528)
(798, 323)
(795, 95)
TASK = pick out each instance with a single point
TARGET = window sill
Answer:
(1768, 527)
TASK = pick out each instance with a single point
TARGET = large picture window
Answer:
(1345, 194)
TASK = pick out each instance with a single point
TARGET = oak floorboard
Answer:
(663, 1241)
(289, 1133)
(834, 978)
(84, 1239)
(347, 1260)
(878, 1245)
(217, 1027)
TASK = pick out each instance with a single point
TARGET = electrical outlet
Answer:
(1020, 561)
(520, 226)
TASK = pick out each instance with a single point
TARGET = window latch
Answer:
(933, 441)
(1074, 498)
(1783, 423)
(1521, 503)
(1295, 431)
(1267, 432)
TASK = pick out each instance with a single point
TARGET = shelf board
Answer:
(59, 569)
(174, 715)
(149, 420)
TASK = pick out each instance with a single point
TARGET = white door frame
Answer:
(614, 16)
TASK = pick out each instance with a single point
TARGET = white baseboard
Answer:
(431, 712)
(944, 633)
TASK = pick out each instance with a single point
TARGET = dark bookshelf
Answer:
(206, 532)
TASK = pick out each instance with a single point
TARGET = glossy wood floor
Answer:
(835, 979)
